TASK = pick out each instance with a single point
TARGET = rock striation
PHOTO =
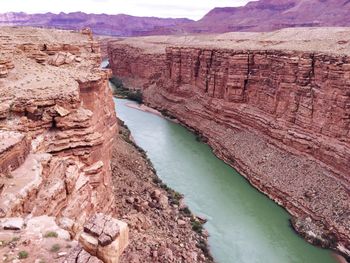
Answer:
(276, 111)
(57, 127)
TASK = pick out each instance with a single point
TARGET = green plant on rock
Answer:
(119, 89)
(15, 239)
(22, 254)
(186, 211)
(55, 248)
(197, 226)
(51, 234)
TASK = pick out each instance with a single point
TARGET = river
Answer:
(244, 225)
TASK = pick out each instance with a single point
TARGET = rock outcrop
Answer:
(278, 112)
(57, 127)
(105, 237)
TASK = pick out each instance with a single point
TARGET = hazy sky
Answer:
(194, 9)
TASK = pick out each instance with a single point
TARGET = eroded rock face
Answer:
(57, 124)
(64, 110)
(6, 65)
(280, 117)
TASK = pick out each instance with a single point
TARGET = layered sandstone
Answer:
(276, 109)
(57, 127)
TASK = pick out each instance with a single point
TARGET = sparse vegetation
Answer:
(51, 234)
(14, 239)
(186, 211)
(173, 196)
(204, 247)
(22, 254)
(121, 91)
(197, 226)
(3, 243)
(166, 113)
(55, 248)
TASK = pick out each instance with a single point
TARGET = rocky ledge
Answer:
(57, 130)
(275, 106)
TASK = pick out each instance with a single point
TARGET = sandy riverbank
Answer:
(144, 108)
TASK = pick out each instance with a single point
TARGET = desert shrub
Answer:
(22, 254)
(197, 226)
(55, 248)
(51, 234)
(119, 90)
(186, 211)
(14, 239)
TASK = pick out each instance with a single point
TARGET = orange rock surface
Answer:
(57, 124)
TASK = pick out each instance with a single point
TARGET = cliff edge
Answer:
(275, 106)
(57, 129)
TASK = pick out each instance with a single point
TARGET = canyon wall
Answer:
(278, 114)
(57, 129)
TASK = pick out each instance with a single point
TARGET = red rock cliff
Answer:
(279, 117)
(57, 123)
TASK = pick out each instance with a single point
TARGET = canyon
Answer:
(73, 185)
(275, 106)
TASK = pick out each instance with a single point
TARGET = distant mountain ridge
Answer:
(101, 24)
(257, 16)
(269, 15)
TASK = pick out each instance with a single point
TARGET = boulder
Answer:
(104, 237)
(14, 223)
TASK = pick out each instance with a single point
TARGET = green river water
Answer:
(244, 225)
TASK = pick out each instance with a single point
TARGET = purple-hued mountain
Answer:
(268, 15)
(263, 15)
(101, 24)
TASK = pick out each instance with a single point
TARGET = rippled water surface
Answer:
(244, 225)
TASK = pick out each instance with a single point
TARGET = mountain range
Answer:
(257, 16)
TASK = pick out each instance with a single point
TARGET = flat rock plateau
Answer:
(275, 106)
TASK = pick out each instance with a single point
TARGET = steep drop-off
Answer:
(276, 110)
(57, 129)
